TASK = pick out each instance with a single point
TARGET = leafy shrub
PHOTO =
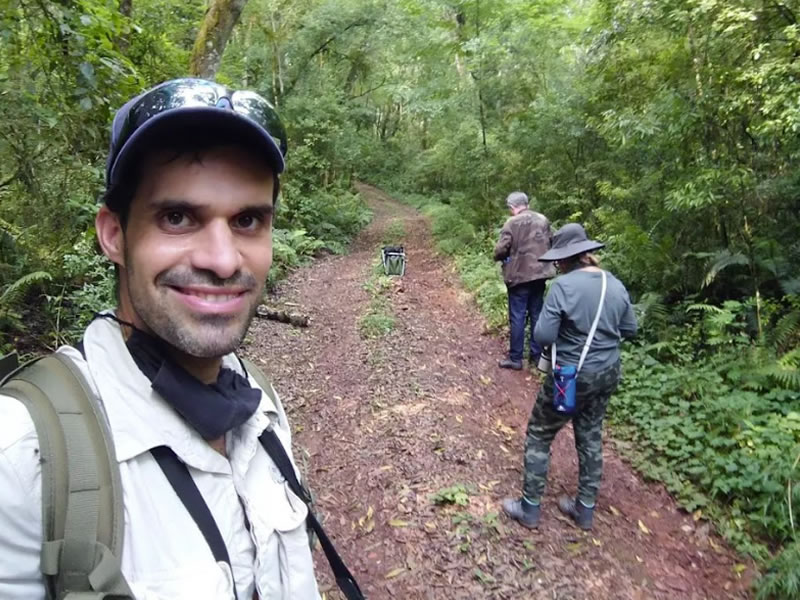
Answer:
(453, 233)
(333, 217)
(290, 249)
(394, 233)
(782, 578)
(457, 494)
(710, 440)
(722, 438)
(88, 288)
(482, 277)
(11, 319)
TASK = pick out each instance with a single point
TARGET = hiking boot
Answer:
(525, 513)
(582, 515)
(507, 363)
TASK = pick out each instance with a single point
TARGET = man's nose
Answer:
(217, 251)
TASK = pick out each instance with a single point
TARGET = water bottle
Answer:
(564, 383)
(545, 361)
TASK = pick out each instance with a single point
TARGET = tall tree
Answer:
(213, 36)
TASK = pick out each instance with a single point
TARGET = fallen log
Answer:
(282, 316)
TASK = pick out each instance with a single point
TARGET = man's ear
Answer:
(110, 235)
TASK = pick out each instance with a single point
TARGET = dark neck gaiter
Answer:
(212, 409)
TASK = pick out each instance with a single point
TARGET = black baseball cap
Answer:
(194, 109)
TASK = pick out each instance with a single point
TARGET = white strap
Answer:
(596, 321)
(592, 331)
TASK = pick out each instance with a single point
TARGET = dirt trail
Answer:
(383, 424)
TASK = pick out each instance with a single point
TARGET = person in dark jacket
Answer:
(523, 239)
(567, 317)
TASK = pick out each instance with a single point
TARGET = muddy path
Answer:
(412, 438)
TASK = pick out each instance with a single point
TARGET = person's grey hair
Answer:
(516, 199)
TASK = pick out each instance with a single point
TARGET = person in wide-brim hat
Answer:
(586, 314)
(571, 240)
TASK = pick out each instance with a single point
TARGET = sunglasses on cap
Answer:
(207, 103)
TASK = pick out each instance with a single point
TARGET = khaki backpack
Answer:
(82, 512)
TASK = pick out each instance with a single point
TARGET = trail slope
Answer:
(385, 424)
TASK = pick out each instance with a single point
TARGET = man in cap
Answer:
(192, 179)
(523, 239)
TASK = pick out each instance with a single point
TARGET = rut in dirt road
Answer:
(413, 437)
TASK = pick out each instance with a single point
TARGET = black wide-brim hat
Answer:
(570, 241)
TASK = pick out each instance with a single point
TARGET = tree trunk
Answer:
(479, 77)
(125, 9)
(277, 63)
(213, 36)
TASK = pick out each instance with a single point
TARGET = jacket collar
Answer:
(140, 419)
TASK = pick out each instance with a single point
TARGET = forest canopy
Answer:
(669, 128)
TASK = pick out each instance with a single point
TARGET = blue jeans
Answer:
(524, 300)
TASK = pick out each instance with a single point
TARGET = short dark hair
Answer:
(118, 197)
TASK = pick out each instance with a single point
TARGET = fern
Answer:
(790, 360)
(651, 311)
(706, 308)
(782, 579)
(721, 261)
(791, 285)
(14, 292)
(786, 330)
(785, 372)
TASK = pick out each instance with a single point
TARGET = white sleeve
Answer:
(20, 505)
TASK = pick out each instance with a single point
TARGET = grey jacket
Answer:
(567, 316)
(523, 239)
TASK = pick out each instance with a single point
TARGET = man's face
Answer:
(197, 248)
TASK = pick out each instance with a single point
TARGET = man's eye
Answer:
(247, 221)
(175, 218)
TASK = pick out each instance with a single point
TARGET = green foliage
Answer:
(376, 323)
(668, 128)
(709, 439)
(394, 234)
(90, 289)
(453, 233)
(782, 578)
(331, 216)
(291, 248)
(708, 416)
(378, 320)
(10, 297)
(457, 495)
(482, 277)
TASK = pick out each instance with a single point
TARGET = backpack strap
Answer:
(592, 331)
(82, 512)
(177, 473)
(274, 448)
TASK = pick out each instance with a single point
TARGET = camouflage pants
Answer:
(592, 392)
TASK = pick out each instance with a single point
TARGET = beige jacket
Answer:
(164, 557)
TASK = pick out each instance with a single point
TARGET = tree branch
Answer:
(377, 87)
(322, 47)
(9, 179)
